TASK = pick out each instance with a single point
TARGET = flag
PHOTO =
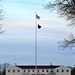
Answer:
(37, 17)
(39, 26)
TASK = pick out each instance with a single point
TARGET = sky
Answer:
(17, 43)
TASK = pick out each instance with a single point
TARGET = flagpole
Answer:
(35, 44)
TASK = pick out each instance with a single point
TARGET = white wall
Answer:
(14, 73)
(64, 70)
(40, 71)
(26, 71)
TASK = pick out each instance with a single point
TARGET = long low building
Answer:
(41, 70)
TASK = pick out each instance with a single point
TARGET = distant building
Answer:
(41, 70)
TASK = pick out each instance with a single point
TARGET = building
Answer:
(41, 70)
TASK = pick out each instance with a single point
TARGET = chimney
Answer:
(15, 64)
(50, 63)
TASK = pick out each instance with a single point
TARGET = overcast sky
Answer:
(17, 44)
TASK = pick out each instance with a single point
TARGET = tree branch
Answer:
(67, 43)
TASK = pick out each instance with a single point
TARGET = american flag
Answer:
(37, 17)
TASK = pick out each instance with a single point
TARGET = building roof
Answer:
(38, 67)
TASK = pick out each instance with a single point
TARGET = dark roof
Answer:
(38, 67)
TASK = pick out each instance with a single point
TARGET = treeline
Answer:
(3, 68)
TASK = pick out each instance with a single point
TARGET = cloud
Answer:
(18, 24)
(17, 44)
(56, 58)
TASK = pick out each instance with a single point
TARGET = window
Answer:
(57, 70)
(18, 70)
(62, 70)
(37, 70)
(24, 70)
(67, 70)
(46, 70)
(32, 70)
(42, 70)
(28, 70)
(51, 70)
(8, 70)
(13, 70)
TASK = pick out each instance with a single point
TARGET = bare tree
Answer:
(2, 12)
(0, 70)
(3, 67)
(67, 42)
(65, 8)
